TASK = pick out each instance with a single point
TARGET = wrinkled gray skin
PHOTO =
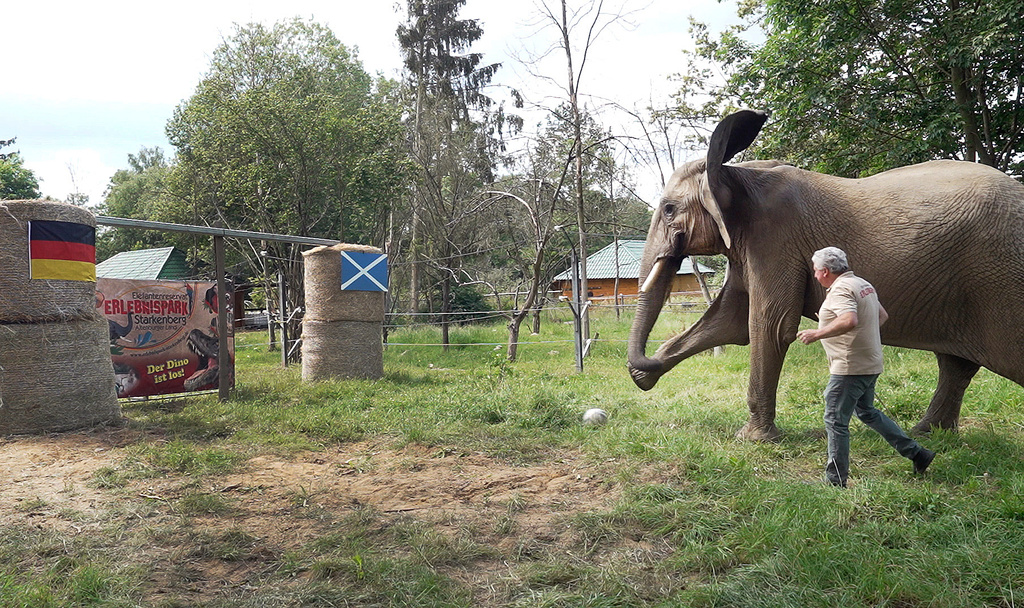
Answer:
(943, 243)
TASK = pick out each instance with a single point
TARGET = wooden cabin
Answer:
(602, 272)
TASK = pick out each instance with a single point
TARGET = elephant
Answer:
(941, 241)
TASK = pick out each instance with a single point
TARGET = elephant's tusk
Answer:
(652, 276)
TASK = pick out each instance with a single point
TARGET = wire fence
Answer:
(558, 312)
(686, 301)
(555, 309)
(395, 323)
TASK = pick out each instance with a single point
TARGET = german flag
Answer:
(61, 250)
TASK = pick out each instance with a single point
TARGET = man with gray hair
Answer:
(848, 327)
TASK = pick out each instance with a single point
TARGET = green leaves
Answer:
(281, 128)
(860, 86)
(16, 182)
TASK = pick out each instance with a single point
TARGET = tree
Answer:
(16, 181)
(524, 208)
(859, 86)
(578, 27)
(76, 196)
(434, 45)
(609, 201)
(139, 192)
(454, 140)
(528, 254)
(287, 133)
(527, 207)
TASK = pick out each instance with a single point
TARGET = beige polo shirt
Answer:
(858, 351)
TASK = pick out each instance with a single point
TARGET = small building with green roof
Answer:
(602, 272)
(167, 263)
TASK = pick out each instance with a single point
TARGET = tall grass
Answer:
(703, 519)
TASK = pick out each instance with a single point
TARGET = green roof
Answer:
(162, 263)
(601, 264)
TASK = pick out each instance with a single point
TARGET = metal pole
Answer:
(105, 220)
(577, 326)
(282, 310)
(615, 289)
(574, 304)
(224, 363)
(270, 320)
(268, 302)
(718, 350)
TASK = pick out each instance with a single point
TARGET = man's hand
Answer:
(807, 336)
(840, 325)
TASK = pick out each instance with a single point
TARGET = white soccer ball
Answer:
(595, 416)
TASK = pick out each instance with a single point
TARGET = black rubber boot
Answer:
(922, 459)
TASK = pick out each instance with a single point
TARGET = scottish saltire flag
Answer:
(364, 271)
(61, 250)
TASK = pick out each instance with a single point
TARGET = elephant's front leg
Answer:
(769, 342)
(725, 322)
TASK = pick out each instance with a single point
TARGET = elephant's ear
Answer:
(733, 135)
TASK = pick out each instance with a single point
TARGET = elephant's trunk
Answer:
(645, 370)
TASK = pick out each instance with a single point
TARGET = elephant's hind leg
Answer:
(955, 375)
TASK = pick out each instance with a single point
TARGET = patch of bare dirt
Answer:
(283, 502)
(42, 478)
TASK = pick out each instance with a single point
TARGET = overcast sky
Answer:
(87, 83)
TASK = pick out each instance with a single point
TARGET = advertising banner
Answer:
(163, 335)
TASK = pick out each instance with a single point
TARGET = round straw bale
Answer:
(55, 377)
(325, 300)
(27, 300)
(341, 349)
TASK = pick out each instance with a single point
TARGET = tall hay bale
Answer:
(341, 350)
(56, 376)
(325, 300)
(39, 300)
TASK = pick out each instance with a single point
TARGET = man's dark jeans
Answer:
(844, 396)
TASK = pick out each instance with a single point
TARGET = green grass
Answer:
(702, 519)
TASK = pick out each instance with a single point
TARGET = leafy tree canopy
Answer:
(139, 192)
(435, 44)
(16, 181)
(287, 133)
(859, 86)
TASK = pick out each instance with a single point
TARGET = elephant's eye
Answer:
(668, 209)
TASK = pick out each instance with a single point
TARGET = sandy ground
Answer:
(48, 482)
